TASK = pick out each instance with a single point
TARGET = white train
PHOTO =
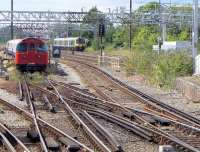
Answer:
(11, 46)
(71, 43)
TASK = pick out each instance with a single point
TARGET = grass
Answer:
(16, 75)
(160, 70)
(111, 51)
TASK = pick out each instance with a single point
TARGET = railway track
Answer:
(47, 136)
(11, 142)
(129, 144)
(136, 99)
(159, 136)
(183, 122)
(64, 139)
(101, 146)
(78, 128)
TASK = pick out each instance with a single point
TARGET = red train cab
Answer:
(31, 54)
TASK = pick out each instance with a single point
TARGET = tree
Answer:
(92, 16)
(120, 37)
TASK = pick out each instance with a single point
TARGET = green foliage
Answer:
(184, 35)
(109, 35)
(93, 16)
(95, 44)
(160, 70)
(149, 6)
(120, 37)
(146, 36)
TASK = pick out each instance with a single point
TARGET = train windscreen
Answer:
(80, 41)
(22, 47)
(42, 48)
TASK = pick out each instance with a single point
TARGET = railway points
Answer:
(85, 81)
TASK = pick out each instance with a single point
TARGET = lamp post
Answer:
(194, 32)
(130, 27)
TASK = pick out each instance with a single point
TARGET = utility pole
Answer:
(130, 27)
(160, 28)
(194, 32)
(11, 27)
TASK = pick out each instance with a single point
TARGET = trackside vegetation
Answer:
(159, 69)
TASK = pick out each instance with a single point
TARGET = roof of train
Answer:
(15, 41)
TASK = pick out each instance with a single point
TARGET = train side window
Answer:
(22, 47)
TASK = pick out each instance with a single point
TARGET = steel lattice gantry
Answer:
(152, 17)
(41, 21)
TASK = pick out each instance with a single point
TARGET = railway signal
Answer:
(101, 31)
(101, 34)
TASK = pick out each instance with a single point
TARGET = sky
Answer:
(73, 5)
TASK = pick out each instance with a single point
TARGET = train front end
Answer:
(80, 44)
(31, 55)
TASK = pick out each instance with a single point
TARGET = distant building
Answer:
(174, 46)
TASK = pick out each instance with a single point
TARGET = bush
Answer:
(160, 70)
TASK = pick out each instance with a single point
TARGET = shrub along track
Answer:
(149, 109)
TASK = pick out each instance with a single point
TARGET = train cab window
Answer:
(42, 48)
(22, 47)
(80, 41)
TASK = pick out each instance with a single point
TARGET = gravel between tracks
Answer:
(12, 98)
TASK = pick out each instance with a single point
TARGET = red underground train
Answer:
(31, 54)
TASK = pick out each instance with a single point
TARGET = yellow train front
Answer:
(70, 43)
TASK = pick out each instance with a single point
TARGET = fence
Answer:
(113, 62)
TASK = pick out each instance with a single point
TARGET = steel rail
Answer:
(191, 129)
(146, 99)
(31, 104)
(144, 129)
(170, 137)
(3, 128)
(7, 143)
(114, 144)
(174, 139)
(136, 128)
(43, 123)
(97, 141)
(93, 98)
(77, 89)
(181, 126)
(84, 95)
